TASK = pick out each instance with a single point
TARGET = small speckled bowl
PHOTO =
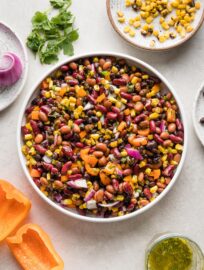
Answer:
(144, 42)
(33, 93)
(10, 42)
(198, 113)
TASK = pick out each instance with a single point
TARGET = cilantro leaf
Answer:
(60, 3)
(51, 35)
(68, 48)
(34, 41)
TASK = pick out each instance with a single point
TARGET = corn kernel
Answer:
(154, 189)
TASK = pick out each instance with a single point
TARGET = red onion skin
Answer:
(12, 74)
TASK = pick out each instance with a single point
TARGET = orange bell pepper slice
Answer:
(33, 249)
(144, 132)
(84, 153)
(155, 173)
(14, 208)
(90, 170)
(105, 180)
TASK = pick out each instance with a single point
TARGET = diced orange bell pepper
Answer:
(122, 126)
(90, 170)
(35, 173)
(101, 98)
(80, 92)
(156, 174)
(144, 132)
(84, 153)
(45, 85)
(82, 134)
(62, 91)
(105, 180)
(14, 208)
(35, 115)
(33, 249)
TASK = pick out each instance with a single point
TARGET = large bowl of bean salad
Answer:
(102, 137)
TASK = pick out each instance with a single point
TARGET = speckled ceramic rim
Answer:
(177, 44)
(195, 120)
(25, 67)
(165, 236)
(35, 89)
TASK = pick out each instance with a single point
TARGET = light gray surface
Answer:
(122, 245)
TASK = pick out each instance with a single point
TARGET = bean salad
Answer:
(102, 136)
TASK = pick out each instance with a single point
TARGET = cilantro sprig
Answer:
(50, 36)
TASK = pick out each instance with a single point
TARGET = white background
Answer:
(120, 245)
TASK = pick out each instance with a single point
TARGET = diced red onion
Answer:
(47, 159)
(134, 153)
(108, 204)
(88, 106)
(90, 196)
(10, 69)
(80, 183)
(91, 205)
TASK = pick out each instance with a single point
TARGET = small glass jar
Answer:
(197, 254)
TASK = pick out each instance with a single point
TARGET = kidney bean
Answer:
(73, 65)
(102, 161)
(35, 127)
(107, 65)
(172, 127)
(99, 195)
(40, 149)
(127, 188)
(95, 186)
(127, 172)
(46, 109)
(75, 176)
(168, 170)
(175, 139)
(101, 108)
(115, 110)
(72, 82)
(164, 135)
(64, 68)
(115, 184)
(78, 121)
(91, 81)
(110, 189)
(65, 129)
(66, 167)
(76, 128)
(54, 170)
(47, 166)
(177, 158)
(43, 181)
(179, 124)
(58, 184)
(147, 193)
(79, 145)
(107, 103)
(38, 138)
(119, 82)
(111, 115)
(126, 96)
(167, 143)
(67, 150)
(91, 99)
(152, 126)
(43, 117)
(144, 124)
(24, 130)
(158, 139)
(139, 118)
(139, 106)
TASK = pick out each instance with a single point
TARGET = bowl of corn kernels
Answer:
(102, 137)
(156, 25)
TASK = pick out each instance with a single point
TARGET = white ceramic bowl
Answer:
(73, 213)
(198, 113)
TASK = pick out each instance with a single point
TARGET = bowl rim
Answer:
(25, 66)
(200, 89)
(187, 38)
(76, 215)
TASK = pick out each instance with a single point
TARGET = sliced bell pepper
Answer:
(14, 208)
(33, 249)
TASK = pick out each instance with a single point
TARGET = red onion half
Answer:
(10, 69)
